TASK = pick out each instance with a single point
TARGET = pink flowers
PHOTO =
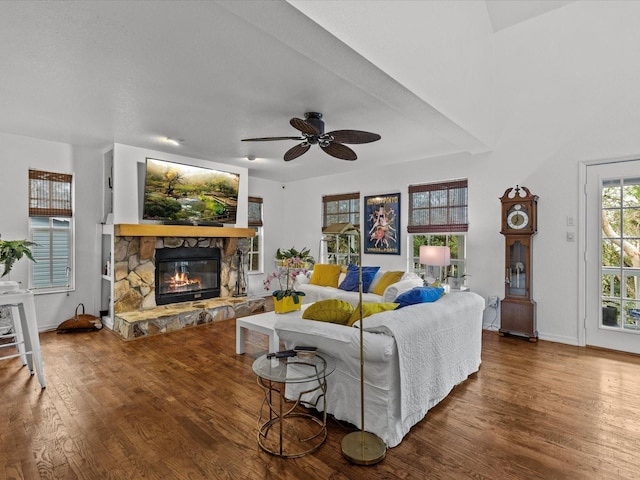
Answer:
(288, 270)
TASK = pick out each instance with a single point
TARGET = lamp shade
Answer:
(436, 256)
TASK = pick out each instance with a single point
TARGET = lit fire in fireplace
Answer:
(181, 281)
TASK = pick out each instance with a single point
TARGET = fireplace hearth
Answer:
(186, 274)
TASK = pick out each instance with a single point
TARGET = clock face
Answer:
(518, 218)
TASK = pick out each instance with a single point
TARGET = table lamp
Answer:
(435, 256)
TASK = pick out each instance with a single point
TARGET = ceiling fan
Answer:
(312, 129)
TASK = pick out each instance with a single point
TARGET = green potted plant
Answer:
(13, 250)
(455, 278)
(301, 257)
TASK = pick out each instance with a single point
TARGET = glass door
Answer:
(613, 256)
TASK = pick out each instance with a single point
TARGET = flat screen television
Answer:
(178, 193)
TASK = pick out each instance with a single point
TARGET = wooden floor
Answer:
(184, 406)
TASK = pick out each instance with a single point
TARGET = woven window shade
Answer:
(49, 194)
(438, 207)
(255, 212)
(344, 207)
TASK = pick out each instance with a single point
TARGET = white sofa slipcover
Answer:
(414, 357)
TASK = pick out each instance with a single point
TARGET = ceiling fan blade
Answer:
(304, 126)
(269, 139)
(354, 136)
(339, 151)
(295, 152)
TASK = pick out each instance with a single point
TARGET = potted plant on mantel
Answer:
(13, 250)
(290, 264)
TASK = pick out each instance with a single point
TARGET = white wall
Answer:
(275, 229)
(566, 92)
(17, 155)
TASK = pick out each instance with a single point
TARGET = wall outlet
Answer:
(493, 302)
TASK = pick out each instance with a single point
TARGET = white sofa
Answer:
(313, 293)
(414, 357)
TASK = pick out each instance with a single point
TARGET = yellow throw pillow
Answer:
(333, 310)
(370, 309)
(387, 279)
(325, 275)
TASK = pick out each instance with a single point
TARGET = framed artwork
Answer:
(382, 224)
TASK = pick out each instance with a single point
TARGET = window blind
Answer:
(342, 208)
(255, 212)
(438, 207)
(49, 194)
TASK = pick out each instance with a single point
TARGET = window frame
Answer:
(347, 211)
(256, 249)
(51, 229)
(256, 243)
(458, 258)
(51, 197)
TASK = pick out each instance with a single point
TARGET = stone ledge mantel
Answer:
(154, 230)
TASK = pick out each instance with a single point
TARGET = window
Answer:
(438, 207)
(341, 209)
(438, 216)
(51, 228)
(457, 244)
(344, 208)
(254, 263)
(620, 201)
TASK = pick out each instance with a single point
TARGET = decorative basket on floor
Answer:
(80, 322)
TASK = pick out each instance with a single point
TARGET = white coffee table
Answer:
(261, 323)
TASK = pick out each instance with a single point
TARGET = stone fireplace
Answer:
(135, 268)
(137, 248)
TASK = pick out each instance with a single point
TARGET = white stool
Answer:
(26, 337)
(262, 323)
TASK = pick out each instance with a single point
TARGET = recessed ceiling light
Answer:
(173, 141)
(251, 158)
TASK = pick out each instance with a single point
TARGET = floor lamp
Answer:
(361, 448)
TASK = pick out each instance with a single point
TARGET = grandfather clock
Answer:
(519, 224)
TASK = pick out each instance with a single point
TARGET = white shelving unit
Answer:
(107, 282)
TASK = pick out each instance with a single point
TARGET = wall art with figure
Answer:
(382, 228)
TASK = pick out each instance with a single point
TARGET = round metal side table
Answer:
(298, 432)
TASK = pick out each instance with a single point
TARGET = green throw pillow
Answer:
(333, 310)
(370, 309)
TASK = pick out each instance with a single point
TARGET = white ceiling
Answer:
(211, 73)
(505, 13)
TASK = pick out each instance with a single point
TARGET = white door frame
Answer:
(582, 240)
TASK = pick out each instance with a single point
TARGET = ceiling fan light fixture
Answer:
(312, 130)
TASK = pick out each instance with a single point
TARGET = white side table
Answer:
(262, 323)
(23, 312)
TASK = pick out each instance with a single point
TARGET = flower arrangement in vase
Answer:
(287, 298)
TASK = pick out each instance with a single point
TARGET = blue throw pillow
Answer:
(350, 282)
(419, 295)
